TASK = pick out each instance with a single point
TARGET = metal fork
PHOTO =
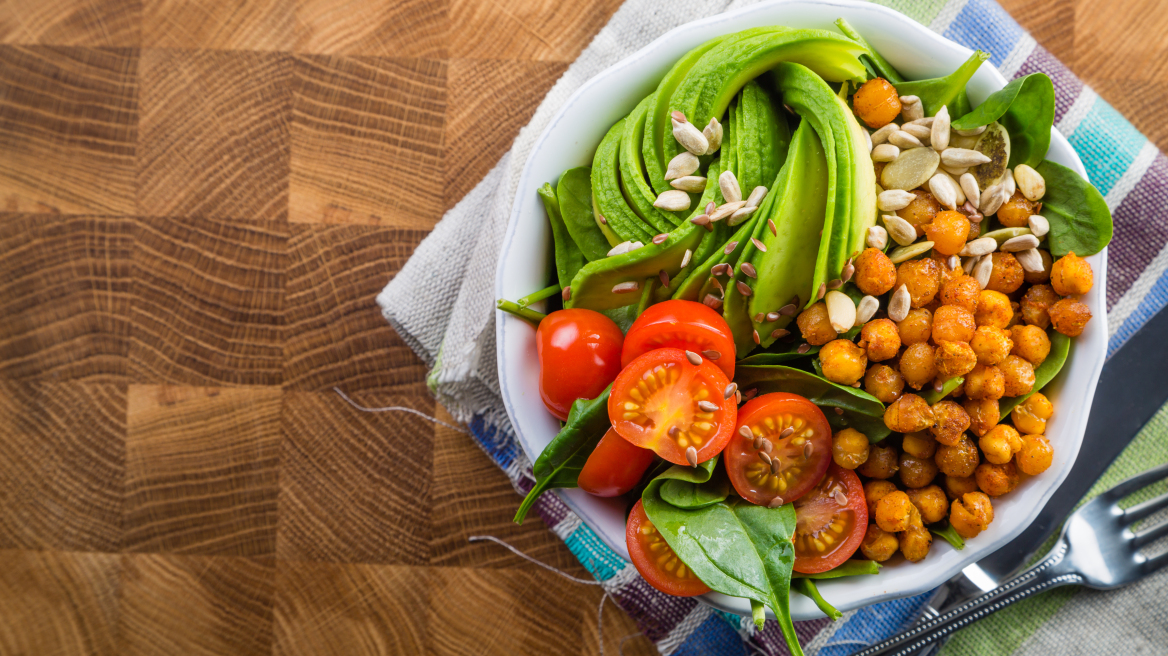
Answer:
(1097, 548)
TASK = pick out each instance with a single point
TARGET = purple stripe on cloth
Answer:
(656, 613)
(1067, 87)
(770, 639)
(551, 509)
(1138, 236)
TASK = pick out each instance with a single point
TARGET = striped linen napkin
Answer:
(459, 343)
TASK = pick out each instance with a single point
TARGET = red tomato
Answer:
(615, 466)
(827, 532)
(663, 402)
(655, 560)
(579, 355)
(684, 325)
(793, 449)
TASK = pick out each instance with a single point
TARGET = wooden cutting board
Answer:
(201, 199)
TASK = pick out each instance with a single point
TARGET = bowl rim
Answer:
(938, 574)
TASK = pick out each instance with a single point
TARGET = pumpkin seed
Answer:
(911, 169)
(994, 143)
(906, 253)
(1002, 235)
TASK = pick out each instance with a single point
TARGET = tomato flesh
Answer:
(657, 403)
(615, 466)
(579, 355)
(684, 325)
(655, 559)
(775, 466)
(827, 532)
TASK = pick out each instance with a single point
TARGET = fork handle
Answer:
(1047, 574)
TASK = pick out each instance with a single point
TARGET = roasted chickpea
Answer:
(1030, 344)
(1036, 303)
(843, 362)
(849, 448)
(915, 542)
(1017, 376)
(1071, 275)
(815, 325)
(1015, 213)
(1016, 317)
(956, 486)
(916, 327)
(916, 472)
(1035, 455)
(961, 292)
(875, 273)
(894, 512)
(920, 444)
(1006, 276)
(1069, 317)
(954, 359)
(951, 421)
(879, 545)
(1000, 444)
(948, 273)
(917, 366)
(985, 382)
(921, 211)
(931, 503)
(983, 415)
(1030, 415)
(881, 462)
(881, 339)
(884, 383)
(875, 491)
(1043, 276)
(922, 277)
(908, 414)
(953, 324)
(876, 102)
(948, 232)
(971, 514)
(991, 344)
(959, 459)
(996, 480)
(993, 309)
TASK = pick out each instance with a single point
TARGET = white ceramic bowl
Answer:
(570, 141)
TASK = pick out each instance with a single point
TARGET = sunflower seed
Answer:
(771, 225)
(730, 248)
(956, 189)
(689, 183)
(726, 210)
(660, 238)
(877, 238)
(953, 262)
(944, 190)
(1009, 184)
(1020, 243)
(901, 231)
(911, 108)
(691, 456)
(955, 171)
(939, 136)
(921, 132)
(840, 497)
(706, 406)
(971, 133)
(1031, 182)
(693, 358)
(765, 457)
(841, 311)
(756, 196)
(779, 333)
(848, 272)
(880, 136)
(567, 293)
(623, 247)
(803, 348)
(958, 157)
(868, 140)
(906, 253)
(899, 304)
(713, 135)
(711, 354)
(740, 215)
(885, 152)
(743, 288)
(712, 301)
(673, 200)
(1038, 225)
(728, 183)
(894, 199)
(685, 258)
(626, 287)
(982, 271)
(969, 187)
(690, 137)
(777, 502)
(904, 140)
(992, 199)
(663, 276)
(822, 291)
(748, 269)
(968, 263)
(1030, 260)
(684, 164)
(789, 310)
(744, 431)
(866, 310)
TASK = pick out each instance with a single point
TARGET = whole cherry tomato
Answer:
(684, 325)
(579, 355)
(615, 466)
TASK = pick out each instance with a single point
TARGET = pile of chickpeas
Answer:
(948, 460)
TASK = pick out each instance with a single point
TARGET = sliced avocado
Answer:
(610, 199)
(638, 193)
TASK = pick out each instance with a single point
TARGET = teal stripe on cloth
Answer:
(600, 561)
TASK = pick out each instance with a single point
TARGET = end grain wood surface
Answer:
(201, 199)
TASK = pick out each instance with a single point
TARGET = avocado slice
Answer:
(610, 198)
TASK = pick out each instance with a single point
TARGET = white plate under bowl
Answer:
(570, 140)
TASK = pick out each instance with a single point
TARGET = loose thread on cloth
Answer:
(398, 408)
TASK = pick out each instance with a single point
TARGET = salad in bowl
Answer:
(803, 312)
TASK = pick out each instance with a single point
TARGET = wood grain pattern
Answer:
(199, 202)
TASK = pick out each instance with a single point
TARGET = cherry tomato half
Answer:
(828, 532)
(615, 466)
(684, 325)
(787, 453)
(663, 402)
(579, 355)
(655, 560)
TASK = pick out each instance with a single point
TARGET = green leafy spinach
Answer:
(1025, 107)
(1078, 215)
(949, 90)
(948, 534)
(861, 410)
(1060, 349)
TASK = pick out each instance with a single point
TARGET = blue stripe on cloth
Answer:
(873, 624)
(594, 555)
(983, 25)
(500, 445)
(1107, 143)
(712, 637)
(1156, 299)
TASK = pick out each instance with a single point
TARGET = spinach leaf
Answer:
(861, 410)
(947, 533)
(931, 395)
(1060, 349)
(562, 459)
(777, 357)
(569, 259)
(574, 192)
(846, 568)
(698, 487)
(806, 587)
(1078, 215)
(1025, 107)
(878, 62)
(948, 90)
(736, 548)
